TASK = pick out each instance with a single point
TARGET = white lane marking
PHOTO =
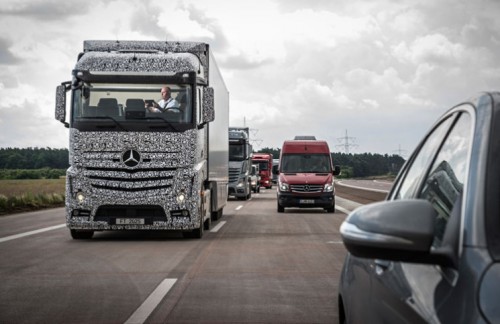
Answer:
(335, 242)
(342, 209)
(148, 306)
(41, 230)
(341, 183)
(239, 207)
(218, 227)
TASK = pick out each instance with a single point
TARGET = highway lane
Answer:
(259, 266)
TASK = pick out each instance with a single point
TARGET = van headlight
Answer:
(328, 187)
(283, 186)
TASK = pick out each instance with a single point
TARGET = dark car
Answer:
(430, 253)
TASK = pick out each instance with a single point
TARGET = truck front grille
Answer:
(130, 180)
(234, 174)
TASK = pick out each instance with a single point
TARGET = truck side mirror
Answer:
(208, 105)
(60, 112)
(336, 170)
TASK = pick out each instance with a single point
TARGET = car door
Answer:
(409, 292)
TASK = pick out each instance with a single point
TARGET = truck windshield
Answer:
(124, 104)
(305, 163)
(237, 152)
(262, 165)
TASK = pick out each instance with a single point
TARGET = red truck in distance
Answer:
(265, 163)
(306, 175)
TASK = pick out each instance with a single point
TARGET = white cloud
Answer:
(435, 48)
(382, 70)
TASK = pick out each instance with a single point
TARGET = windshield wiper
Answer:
(166, 121)
(108, 117)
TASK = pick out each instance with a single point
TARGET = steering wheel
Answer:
(176, 109)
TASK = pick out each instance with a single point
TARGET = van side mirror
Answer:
(336, 170)
(208, 105)
(60, 112)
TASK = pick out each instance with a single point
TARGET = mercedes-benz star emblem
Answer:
(131, 158)
(306, 188)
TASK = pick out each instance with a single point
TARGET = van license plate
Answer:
(306, 201)
(130, 221)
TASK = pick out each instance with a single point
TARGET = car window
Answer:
(422, 160)
(445, 181)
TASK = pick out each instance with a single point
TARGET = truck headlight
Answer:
(80, 197)
(240, 184)
(181, 197)
(284, 186)
(328, 187)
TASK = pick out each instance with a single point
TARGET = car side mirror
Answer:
(336, 170)
(208, 105)
(399, 230)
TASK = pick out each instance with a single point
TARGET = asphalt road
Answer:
(254, 266)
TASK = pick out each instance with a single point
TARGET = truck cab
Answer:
(265, 163)
(306, 176)
(240, 163)
(132, 169)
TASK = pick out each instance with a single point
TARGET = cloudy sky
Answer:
(380, 71)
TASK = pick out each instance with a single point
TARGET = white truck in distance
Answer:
(132, 169)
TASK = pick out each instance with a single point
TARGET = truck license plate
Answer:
(306, 201)
(130, 221)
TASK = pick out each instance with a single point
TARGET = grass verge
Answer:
(30, 194)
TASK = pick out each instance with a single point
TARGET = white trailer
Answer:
(132, 169)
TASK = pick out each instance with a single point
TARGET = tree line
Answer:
(359, 165)
(32, 158)
(34, 163)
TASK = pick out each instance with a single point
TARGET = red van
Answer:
(306, 175)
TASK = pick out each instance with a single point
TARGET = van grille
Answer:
(306, 188)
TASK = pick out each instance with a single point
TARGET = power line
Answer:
(346, 142)
(400, 151)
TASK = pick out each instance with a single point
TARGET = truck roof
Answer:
(143, 56)
(138, 62)
(237, 134)
(262, 155)
(305, 137)
(242, 129)
(305, 146)
(115, 45)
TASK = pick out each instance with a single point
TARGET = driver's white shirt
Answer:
(169, 103)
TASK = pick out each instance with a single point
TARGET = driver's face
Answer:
(165, 94)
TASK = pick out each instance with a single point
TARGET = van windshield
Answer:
(305, 163)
